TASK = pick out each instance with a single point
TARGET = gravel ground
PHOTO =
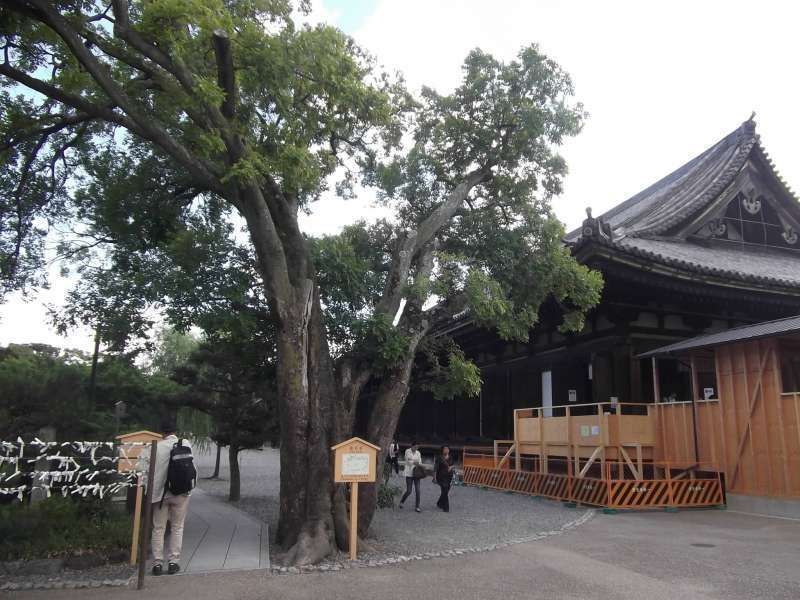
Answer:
(477, 518)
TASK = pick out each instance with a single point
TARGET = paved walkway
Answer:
(654, 556)
(219, 537)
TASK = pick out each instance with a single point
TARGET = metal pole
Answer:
(148, 515)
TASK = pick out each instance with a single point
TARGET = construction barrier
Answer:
(607, 493)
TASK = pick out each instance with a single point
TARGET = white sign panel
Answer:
(573, 395)
(708, 393)
(595, 429)
(355, 464)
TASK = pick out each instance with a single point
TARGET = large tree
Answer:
(228, 102)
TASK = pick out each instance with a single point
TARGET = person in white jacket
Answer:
(413, 458)
(166, 506)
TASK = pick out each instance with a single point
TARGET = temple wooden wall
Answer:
(675, 435)
(760, 425)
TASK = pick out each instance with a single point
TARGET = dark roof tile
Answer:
(787, 326)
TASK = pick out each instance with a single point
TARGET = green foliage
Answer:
(377, 340)
(231, 378)
(41, 386)
(444, 370)
(58, 527)
(387, 493)
(173, 350)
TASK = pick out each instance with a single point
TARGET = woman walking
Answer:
(443, 476)
(413, 473)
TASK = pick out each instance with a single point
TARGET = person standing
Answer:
(170, 501)
(443, 477)
(413, 473)
(393, 457)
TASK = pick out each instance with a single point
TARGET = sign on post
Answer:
(130, 450)
(355, 461)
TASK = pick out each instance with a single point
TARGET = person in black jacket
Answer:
(443, 477)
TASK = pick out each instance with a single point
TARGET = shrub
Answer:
(58, 527)
(386, 495)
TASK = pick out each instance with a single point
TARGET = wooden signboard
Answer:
(355, 461)
(130, 461)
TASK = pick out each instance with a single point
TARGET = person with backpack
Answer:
(175, 476)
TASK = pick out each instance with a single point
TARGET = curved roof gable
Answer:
(692, 188)
(680, 221)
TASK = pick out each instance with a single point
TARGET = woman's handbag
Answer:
(418, 472)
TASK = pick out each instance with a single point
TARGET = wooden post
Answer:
(148, 515)
(542, 445)
(517, 458)
(353, 519)
(695, 387)
(137, 521)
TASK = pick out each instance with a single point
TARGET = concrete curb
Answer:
(65, 584)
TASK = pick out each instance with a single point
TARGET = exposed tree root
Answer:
(313, 545)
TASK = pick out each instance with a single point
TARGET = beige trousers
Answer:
(174, 510)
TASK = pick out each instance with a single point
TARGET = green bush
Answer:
(58, 527)
(386, 495)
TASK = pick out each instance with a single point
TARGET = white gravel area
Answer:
(478, 518)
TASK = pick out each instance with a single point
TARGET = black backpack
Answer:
(181, 474)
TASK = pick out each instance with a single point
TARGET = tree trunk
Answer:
(381, 427)
(93, 372)
(235, 489)
(216, 463)
(306, 528)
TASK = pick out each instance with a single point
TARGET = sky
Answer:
(661, 81)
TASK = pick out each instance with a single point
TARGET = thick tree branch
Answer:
(64, 122)
(410, 245)
(71, 100)
(145, 123)
(442, 215)
(124, 31)
(177, 69)
(269, 248)
(225, 73)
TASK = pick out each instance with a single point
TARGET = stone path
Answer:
(219, 537)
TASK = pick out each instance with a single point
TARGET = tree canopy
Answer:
(156, 127)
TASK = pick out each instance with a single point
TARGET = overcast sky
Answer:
(661, 81)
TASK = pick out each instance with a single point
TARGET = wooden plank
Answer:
(695, 441)
(592, 458)
(776, 382)
(767, 441)
(632, 467)
(569, 438)
(722, 437)
(137, 518)
(751, 405)
(506, 456)
(542, 445)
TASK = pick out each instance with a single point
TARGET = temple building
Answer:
(712, 246)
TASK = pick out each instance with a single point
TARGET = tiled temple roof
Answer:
(649, 224)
